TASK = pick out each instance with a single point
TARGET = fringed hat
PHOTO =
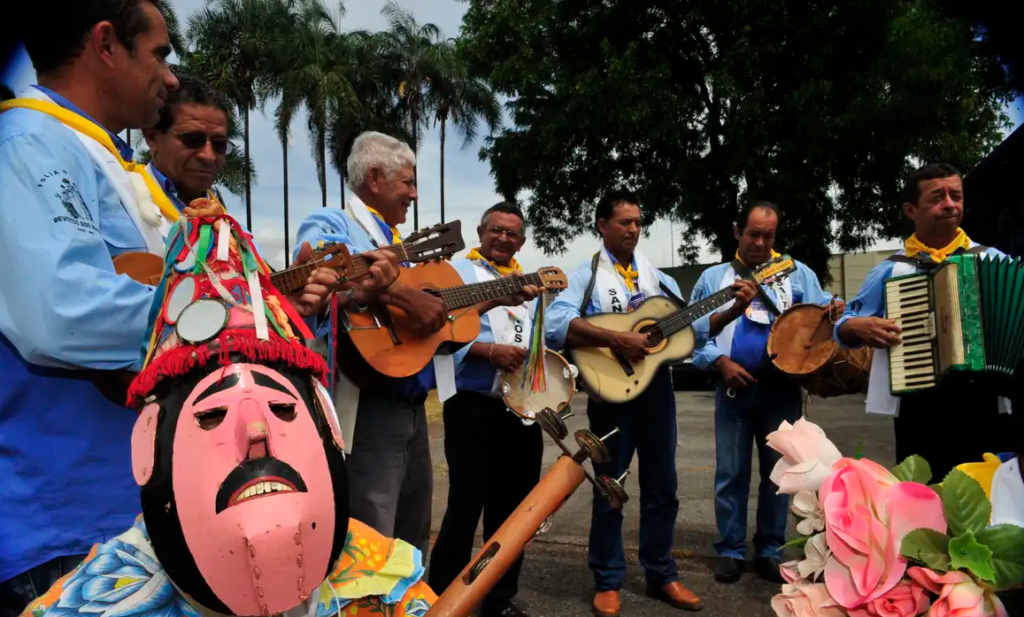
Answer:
(216, 299)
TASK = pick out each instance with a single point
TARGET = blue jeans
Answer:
(647, 426)
(749, 417)
(17, 593)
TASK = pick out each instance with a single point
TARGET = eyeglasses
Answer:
(196, 140)
(512, 235)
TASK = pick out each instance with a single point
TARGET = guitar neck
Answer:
(475, 293)
(684, 317)
(294, 278)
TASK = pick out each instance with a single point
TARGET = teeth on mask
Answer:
(262, 488)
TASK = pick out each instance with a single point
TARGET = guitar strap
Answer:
(679, 302)
(741, 269)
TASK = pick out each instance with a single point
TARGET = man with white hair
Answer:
(389, 469)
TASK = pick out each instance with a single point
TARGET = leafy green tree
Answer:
(821, 107)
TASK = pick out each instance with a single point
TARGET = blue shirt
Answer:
(331, 226)
(750, 339)
(66, 453)
(167, 187)
(870, 300)
(566, 306)
(126, 151)
(471, 374)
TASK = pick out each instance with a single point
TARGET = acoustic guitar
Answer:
(437, 242)
(383, 337)
(608, 375)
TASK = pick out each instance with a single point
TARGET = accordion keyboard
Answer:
(913, 363)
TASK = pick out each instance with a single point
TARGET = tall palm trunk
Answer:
(321, 144)
(287, 254)
(248, 176)
(443, 133)
(415, 174)
(342, 187)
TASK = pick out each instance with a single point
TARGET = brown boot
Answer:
(678, 596)
(606, 603)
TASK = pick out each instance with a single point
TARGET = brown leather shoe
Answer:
(678, 596)
(607, 604)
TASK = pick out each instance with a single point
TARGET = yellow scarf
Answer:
(502, 270)
(628, 274)
(914, 247)
(97, 133)
(771, 255)
(396, 237)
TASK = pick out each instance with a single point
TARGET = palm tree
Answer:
(416, 53)
(232, 42)
(463, 100)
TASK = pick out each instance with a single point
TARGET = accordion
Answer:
(964, 319)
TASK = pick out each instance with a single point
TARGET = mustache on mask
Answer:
(256, 478)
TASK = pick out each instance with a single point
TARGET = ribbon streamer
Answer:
(536, 356)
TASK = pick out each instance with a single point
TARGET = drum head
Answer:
(182, 294)
(801, 340)
(187, 263)
(202, 320)
(561, 387)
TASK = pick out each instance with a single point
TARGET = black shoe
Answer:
(728, 569)
(503, 609)
(768, 569)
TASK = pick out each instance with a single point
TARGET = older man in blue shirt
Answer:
(67, 482)
(618, 279)
(752, 398)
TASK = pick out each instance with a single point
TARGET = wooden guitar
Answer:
(437, 242)
(383, 337)
(609, 376)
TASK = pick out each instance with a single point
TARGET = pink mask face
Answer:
(253, 489)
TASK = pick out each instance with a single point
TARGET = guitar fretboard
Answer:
(294, 278)
(475, 293)
(684, 317)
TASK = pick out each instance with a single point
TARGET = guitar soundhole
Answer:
(653, 333)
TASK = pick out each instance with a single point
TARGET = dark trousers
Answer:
(494, 462)
(17, 593)
(647, 426)
(951, 425)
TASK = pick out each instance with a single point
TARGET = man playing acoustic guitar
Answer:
(752, 398)
(618, 279)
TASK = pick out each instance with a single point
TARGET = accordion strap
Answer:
(926, 263)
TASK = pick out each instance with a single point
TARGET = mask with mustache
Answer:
(243, 486)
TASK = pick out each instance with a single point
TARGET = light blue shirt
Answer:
(750, 339)
(334, 226)
(566, 306)
(870, 300)
(471, 374)
(66, 463)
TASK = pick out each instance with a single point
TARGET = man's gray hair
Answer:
(378, 150)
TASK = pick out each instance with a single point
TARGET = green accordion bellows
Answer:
(964, 319)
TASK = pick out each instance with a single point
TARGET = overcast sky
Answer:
(469, 186)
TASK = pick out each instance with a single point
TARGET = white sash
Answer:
(1008, 494)
(510, 325)
(611, 289)
(880, 399)
(128, 192)
(356, 209)
(781, 293)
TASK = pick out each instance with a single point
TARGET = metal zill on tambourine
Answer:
(202, 320)
(593, 446)
(613, 491)
(186, 263)
(183, 293)
(552, 424)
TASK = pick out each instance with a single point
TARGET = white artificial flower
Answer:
(812, 517)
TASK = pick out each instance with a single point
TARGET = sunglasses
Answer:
(196, 140)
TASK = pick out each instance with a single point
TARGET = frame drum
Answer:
(561, 387)
(801, 345)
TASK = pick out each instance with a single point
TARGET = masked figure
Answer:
(240, 461)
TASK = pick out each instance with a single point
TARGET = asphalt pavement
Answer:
(556, 581)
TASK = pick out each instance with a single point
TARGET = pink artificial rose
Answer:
(807, 456)
(906, 599)
(867, 514)
(959, 595)
(805, 599)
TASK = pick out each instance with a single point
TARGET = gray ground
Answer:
(556, 581)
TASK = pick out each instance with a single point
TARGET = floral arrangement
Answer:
(883, 543)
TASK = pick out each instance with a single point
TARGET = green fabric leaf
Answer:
(1007, 545)
(797, 541)
(859, 454)
(929, 547)
(966, 554)
(913, 469)
(967, 507)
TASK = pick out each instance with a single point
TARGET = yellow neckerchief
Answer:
(628, 274)
(914, 247)
(396, 237)
(98, 134)
(502, 270)
(771, 255)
